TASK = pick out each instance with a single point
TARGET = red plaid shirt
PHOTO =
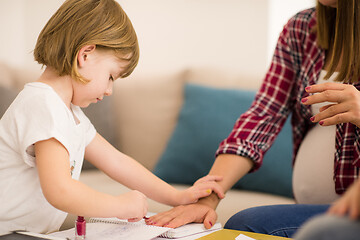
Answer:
(296, 64)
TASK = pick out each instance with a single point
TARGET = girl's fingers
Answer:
(208, 178)
(200, 194)
(218, 190)
(208, 187)
(207, 184)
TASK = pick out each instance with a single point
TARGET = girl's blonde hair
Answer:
(78, 23)
(339, 29)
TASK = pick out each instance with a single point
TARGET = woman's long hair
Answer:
(338, 30)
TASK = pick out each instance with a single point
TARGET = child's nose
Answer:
(108, 92)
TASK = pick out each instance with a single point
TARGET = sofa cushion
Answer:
(101, 116)
(146, 111)
(7, 95)
(206, 118)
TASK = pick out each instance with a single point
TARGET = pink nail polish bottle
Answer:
(80, 228)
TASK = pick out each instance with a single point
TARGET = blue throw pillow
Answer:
(206, 118)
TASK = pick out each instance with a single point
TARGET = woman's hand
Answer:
(182, 215)
(349, 203)
(202, 211)
(344, 106)
(203, 187)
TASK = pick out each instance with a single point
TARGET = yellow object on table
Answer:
(227, 234)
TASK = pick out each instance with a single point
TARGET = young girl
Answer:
(314, 75)
(44, 135)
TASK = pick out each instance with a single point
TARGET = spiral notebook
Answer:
(114, 228)
(183, 231)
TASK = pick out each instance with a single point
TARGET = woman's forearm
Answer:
(232, 168)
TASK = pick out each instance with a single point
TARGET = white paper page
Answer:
(189, 229)
(192, 237)
(70, 234)
(243, 237)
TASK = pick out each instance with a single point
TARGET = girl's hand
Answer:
(201, 188)
(345, 106)
(349, 203)
(136, 206)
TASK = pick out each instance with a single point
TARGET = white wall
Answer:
(279, 13)
(231, 35)
(11, 29)
(20, 23)
(185, 33)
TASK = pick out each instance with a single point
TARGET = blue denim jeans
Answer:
(278, 220)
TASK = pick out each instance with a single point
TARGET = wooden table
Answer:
(227, 234)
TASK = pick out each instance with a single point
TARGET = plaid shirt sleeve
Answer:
(256, 129)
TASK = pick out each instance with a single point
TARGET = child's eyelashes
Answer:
(111, 78)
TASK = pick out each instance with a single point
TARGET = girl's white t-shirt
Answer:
(313, 176)
(36, 114)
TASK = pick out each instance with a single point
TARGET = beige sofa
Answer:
(139, 120)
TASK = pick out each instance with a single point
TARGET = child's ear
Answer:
(84, 54)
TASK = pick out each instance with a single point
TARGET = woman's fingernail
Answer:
(307, 88)
(321, 122)
(210, 223)
(312, 119)
(304, 100)
(208, 190)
